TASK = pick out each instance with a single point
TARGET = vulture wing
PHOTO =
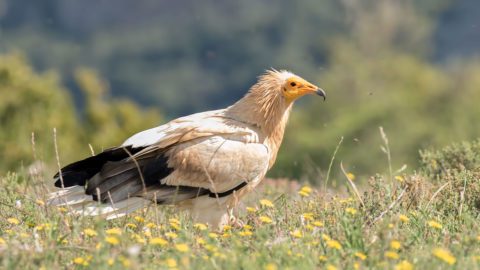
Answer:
(198, 155)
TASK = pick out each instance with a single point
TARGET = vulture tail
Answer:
(77, 173)
(112, 184)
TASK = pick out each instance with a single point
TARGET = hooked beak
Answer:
(321, 93)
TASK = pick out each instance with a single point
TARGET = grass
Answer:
(428, 220)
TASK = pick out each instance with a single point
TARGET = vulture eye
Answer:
(293, 84)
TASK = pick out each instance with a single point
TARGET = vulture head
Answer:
(268, 102)
(293, 86)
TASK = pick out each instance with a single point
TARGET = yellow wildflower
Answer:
(200, 226)
(251, 209)
(318, 223)
(245, 233)
(174, 220)
(90, 232)
(356, 265)
(114, 231)
(314, 243)
(325, 237)
(265, 219)
(110, 261)
(62, 209)
(392, 255)
(305, 191)
(247, 227)
(147, 233)
(175, 226)
(296, 234)
(390, 226)
(322, 258)
(434, 224)
(351, 176)
(226, 235)
(150, 225)
(13, 221)
(444, 255)
(395, 244)
(227, 228)
(399, 178)
(80, 261)
(125, 262)
(201, 241)
(171, 263)
(213, 235)
(270, 266)
(112, 240)
(47, 226)
(266, 203)
(303, 194)
(330, 267)
(403, 218)
(211, 248)
(334, 244)
(140, 240)
(351, 211)
(158, 241)
(2, 242)
(171, 235)
(182, 247)
(404, 265)
(131, 225)
(40, 202)
(174, 223)
(139, 219)
(360, 255)
(307, 216)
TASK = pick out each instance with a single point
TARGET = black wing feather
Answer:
(77, 173)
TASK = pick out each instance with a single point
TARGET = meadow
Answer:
(425, 220)
(97, 76)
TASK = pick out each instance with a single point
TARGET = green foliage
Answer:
(208, 51)
(418, 104)
(456, 158)
(36, 104)
(32, 103)
(458, 166)
(109, 122)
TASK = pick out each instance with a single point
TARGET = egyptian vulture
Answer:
(203, 163)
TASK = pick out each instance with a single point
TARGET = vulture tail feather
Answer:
(77, 173)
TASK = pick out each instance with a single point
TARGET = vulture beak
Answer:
(321, 93)
(299, 87)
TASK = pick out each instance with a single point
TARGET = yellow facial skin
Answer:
(296, 87)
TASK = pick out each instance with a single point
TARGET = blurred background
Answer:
(101, 70)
